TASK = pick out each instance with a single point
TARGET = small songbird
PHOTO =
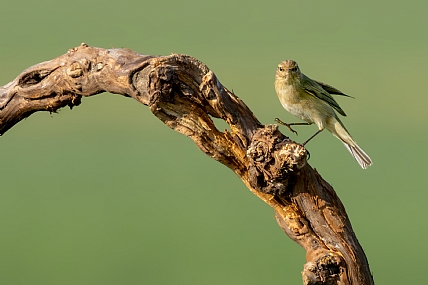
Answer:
(312, 102)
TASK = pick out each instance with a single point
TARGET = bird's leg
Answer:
(292, 124)
(319, 131)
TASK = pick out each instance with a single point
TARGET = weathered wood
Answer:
(184, 94)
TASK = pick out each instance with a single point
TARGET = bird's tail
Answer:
(339, 131)
(360, 156)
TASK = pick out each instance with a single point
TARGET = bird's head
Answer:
(288, 70)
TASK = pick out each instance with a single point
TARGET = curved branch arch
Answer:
(184, 94)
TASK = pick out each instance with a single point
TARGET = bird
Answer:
(312, 102)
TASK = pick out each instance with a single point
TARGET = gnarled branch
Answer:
(184, 94)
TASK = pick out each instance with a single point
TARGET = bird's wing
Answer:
(330, 89)
(315, 89)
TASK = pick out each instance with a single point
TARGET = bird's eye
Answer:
(294, 69)
(280, 68)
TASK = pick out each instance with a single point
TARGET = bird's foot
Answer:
(309, 154)
(287, 125)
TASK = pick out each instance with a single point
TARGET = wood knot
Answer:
(272, 156)
(326, 269)
(34, 77)
(161, 84)
(75, 70)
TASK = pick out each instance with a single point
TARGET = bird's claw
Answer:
(309, 154)
(287, 125)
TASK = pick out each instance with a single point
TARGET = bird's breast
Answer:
(294, 102)
(287, 94)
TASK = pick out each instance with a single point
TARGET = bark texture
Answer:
(184, 94)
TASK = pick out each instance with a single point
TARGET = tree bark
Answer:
(184, 94)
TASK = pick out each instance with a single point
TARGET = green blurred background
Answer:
(107, 194)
